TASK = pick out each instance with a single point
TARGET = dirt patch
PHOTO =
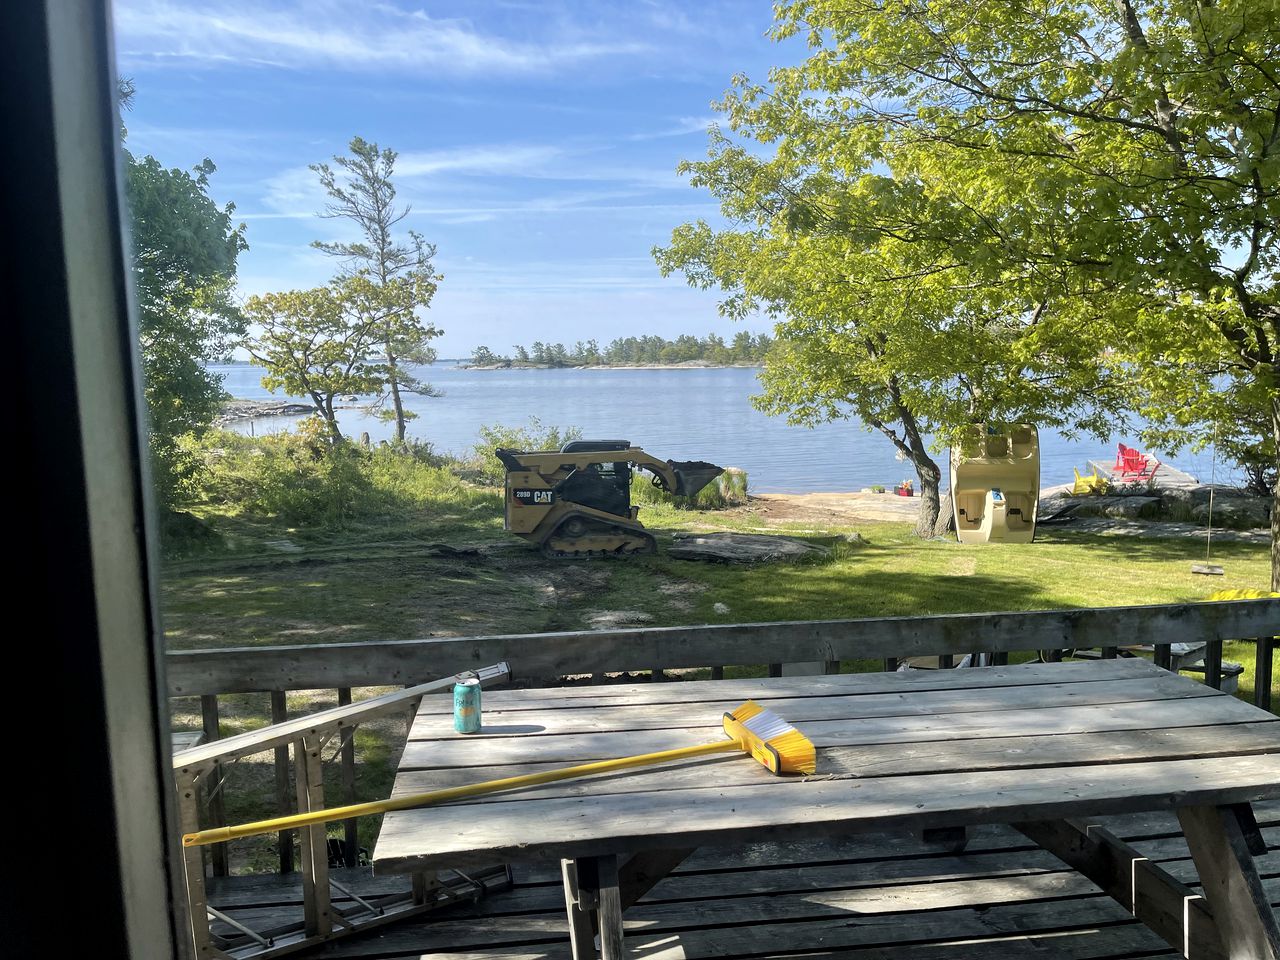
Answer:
(566, 583)
(826, 510)
(742, 548)
(680, 594)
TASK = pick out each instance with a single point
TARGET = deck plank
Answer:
(767, 688)
(528, 922)
(1031, 721)
(779, 808)
(437, 725)
(888, 917)
(880, 760)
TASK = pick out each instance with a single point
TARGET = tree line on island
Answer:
(745, 349)
(952, 214)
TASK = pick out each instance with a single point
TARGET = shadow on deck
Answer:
(862, 897)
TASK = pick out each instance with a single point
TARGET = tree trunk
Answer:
(912, 445)
(331, 418)
(930, 501)
(945, 525)
(1275, 498)
(393, 376)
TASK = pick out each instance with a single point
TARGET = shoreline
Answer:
(238, 408)
(682, 365)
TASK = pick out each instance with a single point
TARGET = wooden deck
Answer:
(861, 897)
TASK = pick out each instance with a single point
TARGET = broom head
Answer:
(770, 739)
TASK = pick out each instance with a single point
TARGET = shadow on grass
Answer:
(1120, 548)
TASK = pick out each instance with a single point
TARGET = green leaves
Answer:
(317, 343)
(184, 249)
(364, 194)
(1047, 211)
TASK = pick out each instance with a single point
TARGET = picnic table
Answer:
(1042, 746)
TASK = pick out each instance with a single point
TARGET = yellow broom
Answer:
(755, 731)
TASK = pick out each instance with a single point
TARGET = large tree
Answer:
(317, 343)
(1123, 156)
(184, 248)
(867, 332)
(362, 192)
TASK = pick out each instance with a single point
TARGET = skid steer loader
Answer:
(576, 501)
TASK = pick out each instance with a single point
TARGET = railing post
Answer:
(1264, 649)
(193, 859)
(1000, 658)
(1164, 656)
(1110, 653)
(309, 773)
(213, 789)
(284, 803)
(717, 673)
(351, 855)
(890, 664)
(946, 661)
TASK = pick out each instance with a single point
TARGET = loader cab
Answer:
(605, 486)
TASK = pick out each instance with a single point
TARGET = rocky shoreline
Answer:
(682, 365)
(237, 409)
(1231, 509)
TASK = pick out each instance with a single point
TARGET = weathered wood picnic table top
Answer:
(923, 749)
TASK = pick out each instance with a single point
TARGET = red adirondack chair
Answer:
(1134, 465)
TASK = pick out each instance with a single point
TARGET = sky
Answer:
(538, 141)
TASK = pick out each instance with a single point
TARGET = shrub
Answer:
(486, 467)
(298, 477)
(305, 480)
(406, 478)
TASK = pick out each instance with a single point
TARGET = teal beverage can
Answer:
(466, 705)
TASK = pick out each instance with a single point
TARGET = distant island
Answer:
(652, 352)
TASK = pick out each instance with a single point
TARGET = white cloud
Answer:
(295, 192)
(458, 173)
(481, 160)
(328, 33)
(682, 127)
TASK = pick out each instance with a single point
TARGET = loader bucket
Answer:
(692, 476)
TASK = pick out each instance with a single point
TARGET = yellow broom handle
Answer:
(221, 834)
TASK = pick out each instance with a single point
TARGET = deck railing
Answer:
(545, 657)
(199, 768)
(820, 646)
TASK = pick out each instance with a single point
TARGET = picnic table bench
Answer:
(1045, 747)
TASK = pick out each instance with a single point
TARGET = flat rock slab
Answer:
(1121, 508)
(253, 409)
(742, 548)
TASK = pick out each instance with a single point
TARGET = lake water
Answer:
(685, 414)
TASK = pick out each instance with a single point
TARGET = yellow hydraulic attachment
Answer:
(576, 501)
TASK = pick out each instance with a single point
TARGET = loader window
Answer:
(601, 486)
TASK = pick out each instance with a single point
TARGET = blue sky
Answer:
(538, 141)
